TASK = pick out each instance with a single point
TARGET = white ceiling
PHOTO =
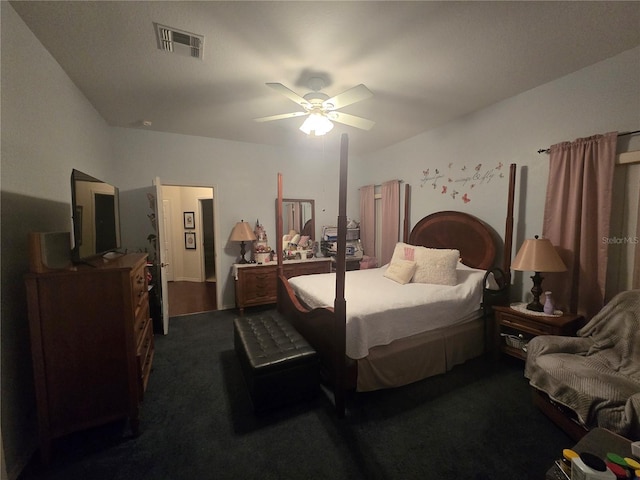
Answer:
(425, 62)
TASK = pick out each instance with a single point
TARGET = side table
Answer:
(513, 329)
(256, 284)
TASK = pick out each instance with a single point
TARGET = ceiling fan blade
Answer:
(353, 95)
(351, 120)
(290, 94)
(281, 116)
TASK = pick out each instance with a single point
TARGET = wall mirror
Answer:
(298, 214)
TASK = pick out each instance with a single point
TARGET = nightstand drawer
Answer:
(514, 329)
(257, 284)
(531, 327)
(260, 284)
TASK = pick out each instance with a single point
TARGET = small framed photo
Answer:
(189, 220)
(190, 240)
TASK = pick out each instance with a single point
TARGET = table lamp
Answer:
(537, 255)
(242, 233)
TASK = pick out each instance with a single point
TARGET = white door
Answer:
(163, 261)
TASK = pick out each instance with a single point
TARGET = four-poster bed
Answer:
(350, 363)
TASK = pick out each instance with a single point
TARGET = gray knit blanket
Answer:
(597, 373)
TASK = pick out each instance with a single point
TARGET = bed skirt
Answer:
(420, 356)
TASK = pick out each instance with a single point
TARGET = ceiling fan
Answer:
(322, 110)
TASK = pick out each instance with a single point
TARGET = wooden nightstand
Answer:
(256, 284)
(522, 327)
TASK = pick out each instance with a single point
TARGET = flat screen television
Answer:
(95, 216)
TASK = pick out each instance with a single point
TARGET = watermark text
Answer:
(621, 240)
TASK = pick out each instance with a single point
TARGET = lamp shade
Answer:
(538, 255)
(317, 123)
(242, 233)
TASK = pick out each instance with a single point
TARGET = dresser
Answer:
(256, 284)
(91, 345)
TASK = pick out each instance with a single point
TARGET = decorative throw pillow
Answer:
(400, 271)
(409, 253)
(436, 265)
(403, 251)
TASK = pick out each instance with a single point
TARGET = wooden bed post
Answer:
(279, 225)
(508, 230)
(340, 303)
(407, 194)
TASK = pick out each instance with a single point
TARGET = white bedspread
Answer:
(380, 310)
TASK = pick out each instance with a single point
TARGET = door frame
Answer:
(160, 243)
(216, 240)
(203, 270)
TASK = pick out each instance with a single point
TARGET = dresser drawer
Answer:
(259, 286)
(141, 321)
(306, 268)
(145, 357)
(532, 327)
(139, 286)
(514, 328)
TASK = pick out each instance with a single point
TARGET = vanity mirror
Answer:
(299, 215)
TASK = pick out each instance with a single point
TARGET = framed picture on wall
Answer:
(189, 220)
(190, 240)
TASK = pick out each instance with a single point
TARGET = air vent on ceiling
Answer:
(177, 41)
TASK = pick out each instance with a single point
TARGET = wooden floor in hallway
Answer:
(191, 297)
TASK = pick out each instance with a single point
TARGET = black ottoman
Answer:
(278, 364)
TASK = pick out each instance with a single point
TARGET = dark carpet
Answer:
(475, 422)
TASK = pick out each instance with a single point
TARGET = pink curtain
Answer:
(576, 220)
(636, 254)
(390, 219)
(368, 220)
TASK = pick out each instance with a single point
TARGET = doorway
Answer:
(192, 283)
(186, 298)
(208, 242)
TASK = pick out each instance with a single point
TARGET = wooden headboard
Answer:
(476, 241)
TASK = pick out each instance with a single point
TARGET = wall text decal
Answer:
(458, 181)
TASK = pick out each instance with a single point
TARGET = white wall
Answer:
(48, 128)
(244, 177)
(602, 98)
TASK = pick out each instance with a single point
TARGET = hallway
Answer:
(191, 297)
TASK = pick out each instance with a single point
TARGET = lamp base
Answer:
(535, 306)
(242, 253)
(536, 291)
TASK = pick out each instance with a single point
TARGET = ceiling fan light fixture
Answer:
(317, 123)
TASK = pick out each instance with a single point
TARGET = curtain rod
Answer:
(379, 184)
(546, 150)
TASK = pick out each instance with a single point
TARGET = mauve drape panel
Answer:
(368, 220)
(636, 253)
(390, 219)
(576, 219)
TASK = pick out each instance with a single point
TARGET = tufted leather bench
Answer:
(278, 364)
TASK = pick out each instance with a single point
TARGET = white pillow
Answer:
(403, 251)
(433, 265)
(400, 271)
(436, 265)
